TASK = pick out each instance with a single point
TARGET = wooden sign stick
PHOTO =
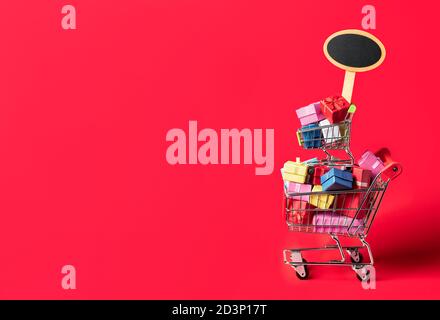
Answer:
(347, 90)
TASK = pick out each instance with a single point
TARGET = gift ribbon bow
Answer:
(334, 103)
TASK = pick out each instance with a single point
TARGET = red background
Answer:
(83, 118)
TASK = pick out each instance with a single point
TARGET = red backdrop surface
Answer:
(83, 174)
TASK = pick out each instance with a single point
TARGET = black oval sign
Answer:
(354, 50)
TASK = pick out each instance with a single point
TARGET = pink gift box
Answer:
(310, 114)
(298, 212)
(370, 162)
(293, 187)
(361, 177)
(325, 222)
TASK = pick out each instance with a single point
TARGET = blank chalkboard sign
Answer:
(353, 51)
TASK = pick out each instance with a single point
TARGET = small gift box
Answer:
(369, 161)
(315, 173)
(310, 114)
(312, 136)
(354, 204)
(337, 179)
(335, 108)
(294, 171)
(299, 212)
(361, 177)
(330, 132)
(322, 201)
(331, 222)
(293, 187)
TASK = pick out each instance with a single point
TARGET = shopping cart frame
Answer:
(338, 136)
(365, 211)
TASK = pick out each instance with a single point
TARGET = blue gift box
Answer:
(312, 137)
(337, 179)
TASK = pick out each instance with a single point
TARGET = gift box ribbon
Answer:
(334, 103)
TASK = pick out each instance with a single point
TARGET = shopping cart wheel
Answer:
(362, 273)
(355, 256)
(303, 275)
(359, 258)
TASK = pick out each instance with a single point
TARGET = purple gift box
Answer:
(310, 114)
(369, 161)
(325, 222)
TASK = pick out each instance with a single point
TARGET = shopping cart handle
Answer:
(392, 169)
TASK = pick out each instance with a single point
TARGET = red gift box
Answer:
(299, 212)
(361, 178)
(334, 108)
(347, 204)
(315, 173)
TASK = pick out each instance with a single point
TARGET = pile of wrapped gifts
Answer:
(332, 211)
(322, 123)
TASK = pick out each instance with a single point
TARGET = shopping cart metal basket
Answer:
(330, 137)
(350, 213)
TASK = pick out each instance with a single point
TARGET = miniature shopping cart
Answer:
(350, 214)
(330, 137)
